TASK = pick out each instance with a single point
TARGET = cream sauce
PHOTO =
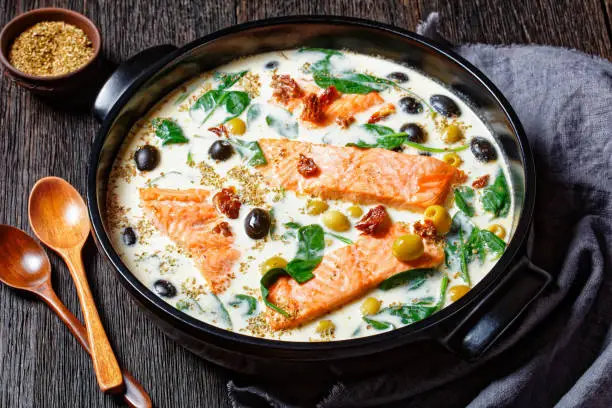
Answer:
(155, 256)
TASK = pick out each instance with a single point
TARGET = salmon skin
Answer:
(188, 219)
(365, 176)
(344, 275)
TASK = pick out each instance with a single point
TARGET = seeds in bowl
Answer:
(51, 48)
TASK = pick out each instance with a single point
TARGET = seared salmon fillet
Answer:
(344, 275)
(365, 176)
(188, 219)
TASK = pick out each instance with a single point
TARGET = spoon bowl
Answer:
(24, 264)
(58, 214)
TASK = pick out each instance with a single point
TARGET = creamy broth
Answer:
(155, 257)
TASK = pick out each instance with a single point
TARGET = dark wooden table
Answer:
(40, 363)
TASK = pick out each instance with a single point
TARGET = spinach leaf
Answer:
(348, 83)
(414, 278)
(168, 131)
(250, 301)
(464, 199)
(311, 244)
(421, 309)
(458, 251)
(268, 280)
(181, 98)
(378, 129)
(228, 79)
(250, 151)
(496, 197)
(223, 312)
(284, 124)
(296, 225)
(482, 242)
(391, 141)
(377, 324)
(323, 65)
(235, 102)
(253, 113)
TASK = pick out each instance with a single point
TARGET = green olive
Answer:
(408, 247)
(273, 263)
(316, 207)
(498, 230)
(452, 134)
(453, 159)
(355, 211)
(370, 306)
(457, 292)
(440, 218)
(325, 327)
(236, 126)
(336, 221)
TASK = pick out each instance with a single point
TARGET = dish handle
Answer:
(485, 323)
(138, 68)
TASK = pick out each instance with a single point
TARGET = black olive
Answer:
(129, 236)
(445, 105)
(398, 77)
(271, 65)
(424, 154)
(221, 150)
(414, 131)
(410, 105)
(147, 158)
(483, 149)
(164, 288)
(257, 223)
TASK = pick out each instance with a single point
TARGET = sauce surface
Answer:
(375, 101)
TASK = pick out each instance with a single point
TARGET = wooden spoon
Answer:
(58, 216)
(24, 265)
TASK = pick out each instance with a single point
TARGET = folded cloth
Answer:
(560, 353)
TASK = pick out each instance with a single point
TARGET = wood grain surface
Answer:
(41, 365)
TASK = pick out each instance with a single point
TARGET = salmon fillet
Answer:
(365, 176)
(188, 219)
(346, 106)
(344, 275)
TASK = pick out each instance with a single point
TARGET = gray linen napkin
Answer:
(560, 354)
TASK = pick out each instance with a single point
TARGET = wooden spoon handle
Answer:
(104, 360)
(135, 395)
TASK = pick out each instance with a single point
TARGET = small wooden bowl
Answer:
(49, 85)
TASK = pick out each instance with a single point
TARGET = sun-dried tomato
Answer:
(329, 96)
(382, 113)
(307, 167)
(426, 230)
(313, 110)
(345, 121)
(375, 222)
(285, 88)
(223, 228)
(227, 202)
(481, 182)
(220, 130)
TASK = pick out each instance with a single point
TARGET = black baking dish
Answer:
(468, 327)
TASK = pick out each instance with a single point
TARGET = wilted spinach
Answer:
(390, 140)
(295, 225)
(235, 102)
(168, 131)
(413, 278)
(496, 197)
(284, 123)
(464, 197)
(250, 301)
(311, 245)
(268, 280)
(251, 151)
